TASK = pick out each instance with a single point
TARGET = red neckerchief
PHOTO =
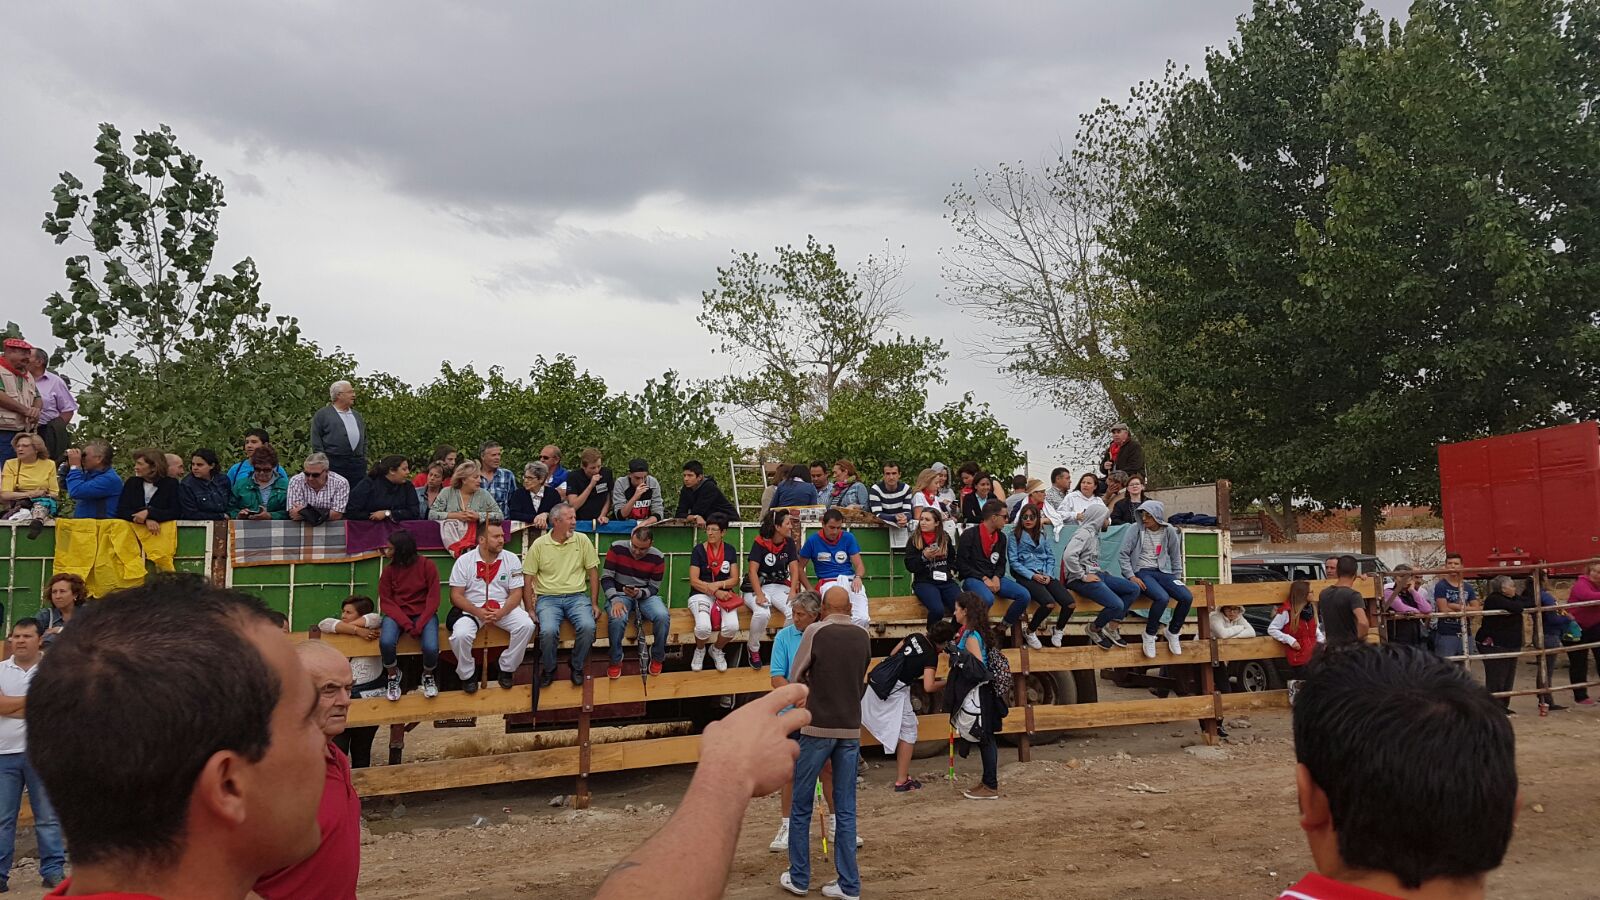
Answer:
(486, 574)
(928, 496)
(1114, 450)
(986, 537)
(21, 374)
(832, 543)
(838, 489)
(771, 547)
(965, 491)
(929, 538)
(714, 563)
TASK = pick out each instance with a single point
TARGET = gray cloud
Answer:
(557, 106)
(664, 268)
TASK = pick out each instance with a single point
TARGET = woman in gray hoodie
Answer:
(1084, 576)
(1152, 558)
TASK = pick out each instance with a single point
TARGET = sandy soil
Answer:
(1068, 824)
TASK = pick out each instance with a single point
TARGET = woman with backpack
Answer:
(977, 676)
(886, 709)
(1297, 625)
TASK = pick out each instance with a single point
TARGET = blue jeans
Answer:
(1016, 593)
(1114, 595)
(1162, 589)
(7, 452)
(389, 638)
(814, 751)
(938, 596)
(575, 608)
(653, 610)
(1448, 644)
(15, 771)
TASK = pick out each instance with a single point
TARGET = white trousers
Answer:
(773, 596)
(859, 613)
(516, 623)
(700, 607)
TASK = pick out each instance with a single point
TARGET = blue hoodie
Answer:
(1171, 558)
(94, 493)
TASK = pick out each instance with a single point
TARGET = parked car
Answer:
(1303, 567)
(1256, 574)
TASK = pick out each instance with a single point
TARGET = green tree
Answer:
(667, 422)
(804, 328)
(869, 429)
(178, 357)
(1462, 237)
(1215, 176)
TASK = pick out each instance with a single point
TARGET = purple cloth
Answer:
(1400, 602)
(57, 398)
(370, 537)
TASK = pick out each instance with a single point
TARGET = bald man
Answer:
(331, 872)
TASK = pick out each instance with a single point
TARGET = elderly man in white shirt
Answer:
(487, 588)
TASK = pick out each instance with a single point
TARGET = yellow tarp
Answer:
(110, 554)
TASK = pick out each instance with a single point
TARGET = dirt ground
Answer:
(1068, 824)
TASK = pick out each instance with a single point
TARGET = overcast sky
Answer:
(487, 182)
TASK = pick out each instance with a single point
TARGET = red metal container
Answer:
(1533, 496)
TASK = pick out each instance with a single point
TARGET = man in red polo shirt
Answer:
(1385, 816)
(332, 871)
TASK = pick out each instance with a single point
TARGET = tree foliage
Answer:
(178, 357)
(804, 328)
(870, 429)
(1351, 244)
(667, 422)
(1029, 267)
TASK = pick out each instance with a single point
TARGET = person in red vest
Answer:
(1297, 625)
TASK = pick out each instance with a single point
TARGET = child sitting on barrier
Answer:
(1229, 623)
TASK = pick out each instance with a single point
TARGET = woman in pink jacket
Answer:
(1588, 618)
(1407, 598)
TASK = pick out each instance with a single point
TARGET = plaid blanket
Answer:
(254, 543)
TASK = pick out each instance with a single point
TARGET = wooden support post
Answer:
(1375, 610)
(1540, 671)
(397, 742)
(1024, 745)
(220, 561)
(1208, 677)
(584, 760)
(1224, 504)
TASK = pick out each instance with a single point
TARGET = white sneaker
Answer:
(1172, 641)
(781, 842)
(833, 828)
(391, 690)
(699, 661)
(786, 884)
(1032, 641)
(1057, 636)
(832, 889)
(1149, 641)
(430, 687)
(719, 659)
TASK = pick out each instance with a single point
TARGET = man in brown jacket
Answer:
(832, 661)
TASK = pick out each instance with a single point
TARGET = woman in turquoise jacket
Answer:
(1033, 565)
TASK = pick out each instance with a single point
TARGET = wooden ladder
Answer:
(746, 495)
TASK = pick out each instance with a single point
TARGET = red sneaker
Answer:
(655, 667)
(613, 671)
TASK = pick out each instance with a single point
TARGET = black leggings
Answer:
(1045, 596)
(1499, 674)
(1580, 661)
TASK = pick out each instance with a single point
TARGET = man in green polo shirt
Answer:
(554, 567)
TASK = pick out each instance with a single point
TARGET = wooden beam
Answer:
(1125, 712)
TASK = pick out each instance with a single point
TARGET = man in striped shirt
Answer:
(890, 499)
(631, 577)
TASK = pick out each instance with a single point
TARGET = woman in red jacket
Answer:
(408, 594)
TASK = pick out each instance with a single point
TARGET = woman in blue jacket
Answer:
(1033, 565)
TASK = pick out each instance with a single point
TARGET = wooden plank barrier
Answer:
(895, 612)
